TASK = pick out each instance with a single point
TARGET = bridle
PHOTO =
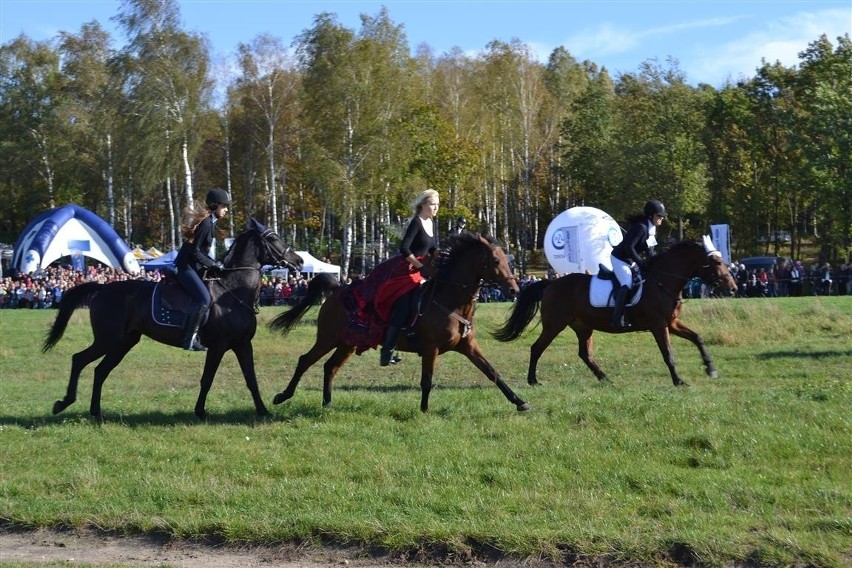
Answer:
(467, 324)
(716, 279)
(267, 247)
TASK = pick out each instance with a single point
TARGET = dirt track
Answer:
(89, 547)
(93, 548)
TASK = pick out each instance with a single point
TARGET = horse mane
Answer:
(455, 246)
(680, 247)
(253, 225)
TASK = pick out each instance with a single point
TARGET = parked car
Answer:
(777, 236)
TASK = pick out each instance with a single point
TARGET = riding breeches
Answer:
(192, 283)
(622, 271)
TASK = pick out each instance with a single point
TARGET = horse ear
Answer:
(709, 247)
(256, 225)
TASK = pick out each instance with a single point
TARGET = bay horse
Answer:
(122, 312)
(445, 322)
(565, 301)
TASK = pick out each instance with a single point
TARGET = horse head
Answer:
(714, 271)
(275, 252)
(259, 245)
(481, 258)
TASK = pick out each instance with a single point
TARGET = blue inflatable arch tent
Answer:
(68, 231)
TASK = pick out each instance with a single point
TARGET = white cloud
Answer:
(779, 40)
(607, 39)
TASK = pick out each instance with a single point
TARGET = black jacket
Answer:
(196, 254)
(635, 242)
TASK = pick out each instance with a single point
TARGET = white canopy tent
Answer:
(313, 265)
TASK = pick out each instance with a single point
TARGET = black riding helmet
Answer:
(217, 196)
(461, 221)
(654, 207)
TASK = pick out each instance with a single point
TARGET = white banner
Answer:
(722, 240)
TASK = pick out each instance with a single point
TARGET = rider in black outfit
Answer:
(194, 257)
(420, 239)
(627, 255)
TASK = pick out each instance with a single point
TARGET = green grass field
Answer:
(750, 469)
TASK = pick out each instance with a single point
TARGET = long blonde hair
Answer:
(424, 195)
(192, 216)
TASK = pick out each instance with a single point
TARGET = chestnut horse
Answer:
(121, 312)
(445, 322)
(566, 302)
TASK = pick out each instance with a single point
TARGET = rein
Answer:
(678, 297)
(230, 291)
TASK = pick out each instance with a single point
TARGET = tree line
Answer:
(329, 139)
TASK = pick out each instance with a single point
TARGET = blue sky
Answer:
(712, 40)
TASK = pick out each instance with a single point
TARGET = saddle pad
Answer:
(600, 294)
(365, 329)
(169, 303)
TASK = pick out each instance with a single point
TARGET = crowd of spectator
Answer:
(45, 289)
(788, 279)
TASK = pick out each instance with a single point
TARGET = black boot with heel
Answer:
(386, 356)
(190, 330)
(618, 312)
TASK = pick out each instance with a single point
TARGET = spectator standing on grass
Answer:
(796, 279)
(843, 282)
(826, 279)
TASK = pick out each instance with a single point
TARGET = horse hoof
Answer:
(59, 406)
(682, 384)
(523, 407)
(280, 397)
(533, 381)
(713, 374)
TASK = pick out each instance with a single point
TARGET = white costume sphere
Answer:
(579, 239)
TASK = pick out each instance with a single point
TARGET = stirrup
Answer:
(195, 344)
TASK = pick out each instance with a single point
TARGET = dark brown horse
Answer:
(445, 323)
(566, 302)
(121, 313)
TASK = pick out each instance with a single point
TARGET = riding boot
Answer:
(618, 311)
(388, 344)
(190, 330)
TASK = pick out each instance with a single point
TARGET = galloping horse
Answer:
(121, 312)
(566, 302)
(445, 322)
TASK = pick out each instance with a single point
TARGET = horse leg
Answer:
(211, 364)
(477, 357)
(245, 357)
(548, 334)
(105, 367)
(305, 362)
(678, 328)
(427, 370)
(661, 334)
(330, 368)
(79, 361)
(586, 344)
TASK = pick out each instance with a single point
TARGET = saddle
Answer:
(170, 303)
(365, 328)
(603, 287)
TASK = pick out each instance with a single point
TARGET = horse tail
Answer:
(72, 299)
(319, 285)
(522, 311)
